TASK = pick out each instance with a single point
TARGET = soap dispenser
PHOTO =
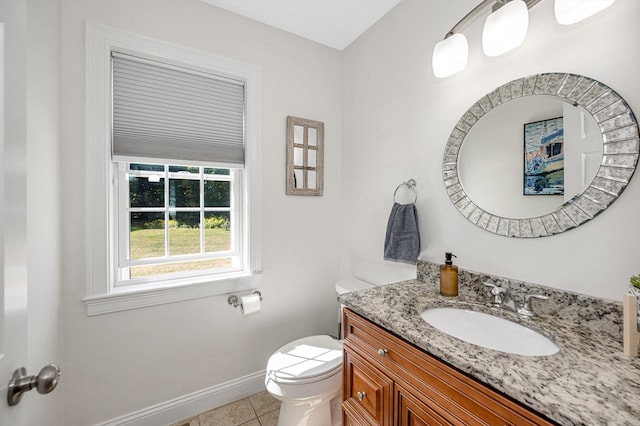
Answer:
(448, 276)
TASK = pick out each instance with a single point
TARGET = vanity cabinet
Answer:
(389, 382)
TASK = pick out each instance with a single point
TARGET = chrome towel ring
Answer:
(411, 184)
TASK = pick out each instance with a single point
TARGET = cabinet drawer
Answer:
(352, 417)
(373, 342)
(366, 390)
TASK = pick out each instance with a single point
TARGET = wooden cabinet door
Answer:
(366, 390)
(412, 412)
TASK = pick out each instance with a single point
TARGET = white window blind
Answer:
(164, 112)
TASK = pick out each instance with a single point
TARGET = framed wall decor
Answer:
(305, 156)
(544, 157)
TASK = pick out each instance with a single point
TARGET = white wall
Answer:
(397, 118)
(122, 362)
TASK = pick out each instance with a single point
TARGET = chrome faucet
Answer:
(525, 310)
(502, 298)
(499, 294)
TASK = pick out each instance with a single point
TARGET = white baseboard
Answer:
(184, 407)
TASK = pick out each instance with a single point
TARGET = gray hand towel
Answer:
(402, 240)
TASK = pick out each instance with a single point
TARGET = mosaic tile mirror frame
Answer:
(620, 138)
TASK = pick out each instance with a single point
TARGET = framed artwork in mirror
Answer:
(544, 157)
(305, 156)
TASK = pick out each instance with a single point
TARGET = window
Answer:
(173, 173)
(177, 221)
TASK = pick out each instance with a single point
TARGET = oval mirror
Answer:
(541, 155)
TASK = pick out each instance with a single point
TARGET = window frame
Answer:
(102, 295)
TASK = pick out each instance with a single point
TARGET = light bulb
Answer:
(450, 56)
(505, 29)
(571, 11)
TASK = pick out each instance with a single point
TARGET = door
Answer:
(29, 259)
(583, 150)
(367, 390)
(13, 291)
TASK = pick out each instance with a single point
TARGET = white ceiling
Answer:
(334, 23)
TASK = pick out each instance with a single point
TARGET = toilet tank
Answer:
(348, 285)
(351, 284)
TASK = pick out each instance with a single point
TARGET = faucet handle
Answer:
(525, 309)
(497, 292)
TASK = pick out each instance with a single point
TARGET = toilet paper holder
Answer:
(234, 300)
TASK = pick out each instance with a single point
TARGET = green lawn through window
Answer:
(149, 243)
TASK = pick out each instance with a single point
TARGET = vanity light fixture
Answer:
(450, 55)
(571, 11)
(505, 29)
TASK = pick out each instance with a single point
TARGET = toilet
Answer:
(306, 376)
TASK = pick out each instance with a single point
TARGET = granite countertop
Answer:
(589, 381)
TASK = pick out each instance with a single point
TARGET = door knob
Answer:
(45, 382)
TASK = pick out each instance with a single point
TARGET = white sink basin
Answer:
(489, 331)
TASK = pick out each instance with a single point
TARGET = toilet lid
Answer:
(305, 360)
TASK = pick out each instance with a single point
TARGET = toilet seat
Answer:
(306, 377)
(306, 360)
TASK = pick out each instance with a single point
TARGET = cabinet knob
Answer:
(383, 352)
(361, 395)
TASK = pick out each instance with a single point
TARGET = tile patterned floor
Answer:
(260, 409)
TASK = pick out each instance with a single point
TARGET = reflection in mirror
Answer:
(601, 153)
(298, 156)
(298, 179)
(311, 177)
(304, 156)
(583, 149)
(311, 162)
(491, 163)
(298, 134)
(313, 137)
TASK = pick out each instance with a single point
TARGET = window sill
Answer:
(125, 299)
